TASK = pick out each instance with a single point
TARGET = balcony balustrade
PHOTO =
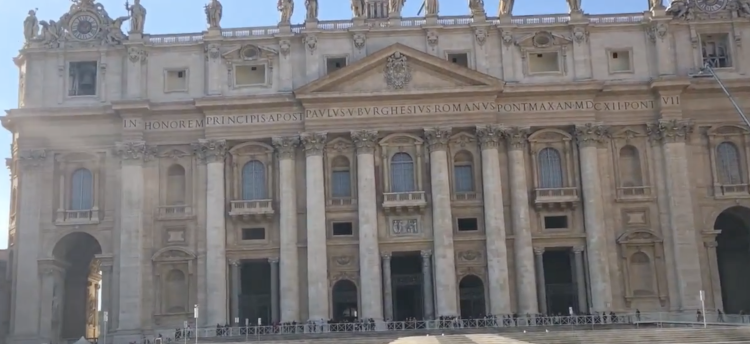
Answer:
(252, 208)
(556, 197)
(412, 201)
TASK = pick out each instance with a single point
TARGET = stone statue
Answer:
(52, 33)
(286, 9)
(431, 7)
(312, 10)
(506, 7)
(358, 8)
(743, 8)
(213, 14)
(476, 7)
(30, 26)
(394, 7)
(678, 9)
(137, 16)
(574, 6)
(114, 33)
(653, 4)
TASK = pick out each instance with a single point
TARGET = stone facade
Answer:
(163, 168)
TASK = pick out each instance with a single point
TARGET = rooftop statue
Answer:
(431, 7)
(574, 6)
(213, 14)
(476, 7)
(358, 8)
(395, 7)
(506, 7)
(137, 16)
(312, 10)
(30, 27)
(286, 9)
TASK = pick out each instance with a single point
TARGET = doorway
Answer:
(344, 299)
(733, 258)
(255, 286)
(406, 276)
(559, 281)
(471, 295)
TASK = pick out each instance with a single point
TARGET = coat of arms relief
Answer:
(397, 72)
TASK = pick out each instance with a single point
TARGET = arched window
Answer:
(550, 169)
(630, 167)
(341, 181)
(253, 181)
(728, 164)
(402, 173)
(175, 185)
(81, 190)
(463, 172)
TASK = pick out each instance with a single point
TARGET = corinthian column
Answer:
(589, 136)
(317, 258)
(212, 153)
(289, 254)
(369, 267)
(673, 134)
(522, 247)
(442, 222)
(26, 288)
(494, 220)
(132, 155)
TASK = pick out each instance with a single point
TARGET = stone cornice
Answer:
(364, 140)
(437, 138)
(489, 136)
(314, 142)
(516, 137)
(591, 134)
(208, 151)
(285, 146)
(31, 159)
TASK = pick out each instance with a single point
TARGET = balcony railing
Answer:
(404, 201)
(466, 197)
(342, 201)
(556, 197)
(77, 217)
(634, 193)
(731, 191)
(252, 208)
(169, 212)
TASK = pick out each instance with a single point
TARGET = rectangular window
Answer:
(341, 184)
(548, 62)
(555, 222)
(715, 50)
(335, 63)
(464, 179)
(467, 225)
(461, 59)
(82, 78)
(175, 81)
(342, 229)
(250, 75)
(253, 234)
(619, 61)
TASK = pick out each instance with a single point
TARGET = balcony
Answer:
(467, 197)
(247, 209)
(174, 212)
(731, 191)
(77, 217)
(341, 203)
(634, 194)
(556, 198)
(404, 202)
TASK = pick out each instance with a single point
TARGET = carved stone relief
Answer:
(397, 72)
(405, 227)
(470, 257)
(335, 276)
(635, 217)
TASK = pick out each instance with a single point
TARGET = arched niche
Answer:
(402, 143)
(243, 153)
(630, 157)
(176, 192)
(174, 284)
(66, 166)
(642, 255)
(343, 281)
(340, 160)
(465, 160)
(737, 139)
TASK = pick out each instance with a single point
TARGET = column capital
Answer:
(591, 134)
(273, 260)
(209, 151)
(385, 255)
(134, 151)
(426, 253)
(234, 262)
(670, 130)
(489, 136)
(711, 244)
(314, 142)
(106, 262)
(538, 251)
(364, 140)
(578, 248)
(437, 138)
(516, 137)
(285, 146)
(31, 159)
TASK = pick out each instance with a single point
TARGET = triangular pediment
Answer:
(399, 69)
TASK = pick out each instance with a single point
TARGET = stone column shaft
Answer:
(105, 264)
(369, 267)
(442, 223)
(589, 136)
(429, 299)
(541, 287)
(289, 253)
(26, 288)
(274, 288)
(387, 287)
(580, 280)
(47, 277)
(494, 221)
(236, 291)
(523, 254)
(713, 265)
(317, 258)
(132, 154)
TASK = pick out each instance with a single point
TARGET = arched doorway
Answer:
(733, 255)
(344, 299)
(471, 295)
(76, 291)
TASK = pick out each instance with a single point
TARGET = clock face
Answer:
(711, 6)
(84, 27)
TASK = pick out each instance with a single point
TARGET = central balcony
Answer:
(731, 191)
(398, 202)
(77, 217)
(174, 212)
(257, 208)
(556, 198)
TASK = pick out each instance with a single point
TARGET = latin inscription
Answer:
(214, 121)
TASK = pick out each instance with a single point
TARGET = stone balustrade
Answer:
(404, 200)
(555, 195)
(257, 207)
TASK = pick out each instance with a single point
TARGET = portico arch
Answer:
(733, 258)
(74, 290)
(471, 295)
(344, 299)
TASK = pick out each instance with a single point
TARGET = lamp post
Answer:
(708, 72)
(195, 315)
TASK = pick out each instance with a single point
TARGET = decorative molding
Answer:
(286, 146)
(359, 40)
(437, 138)
(314, 142)
(136, 55)
(311, 43)
(209, 151)
(580, 34)
(538, 251)
(432, 38)
(471, 256)
(365, 140)
(711, 244)
(397, 72)
(591, 135)
(516, 137)
(213, 51)
(489, 136)
(386, 255)
(674, 130)
(134, 151)
(578, 248)
(32, 159)
(481, 34)
(426, 254)
(285, 47)
(273, 260)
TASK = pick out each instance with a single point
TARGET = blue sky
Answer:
(174, 16)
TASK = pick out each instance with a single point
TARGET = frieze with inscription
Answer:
(405, 227)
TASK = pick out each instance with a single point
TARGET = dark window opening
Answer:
(253, 234)
(467, 225)
(555, 222)
(342, 228)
